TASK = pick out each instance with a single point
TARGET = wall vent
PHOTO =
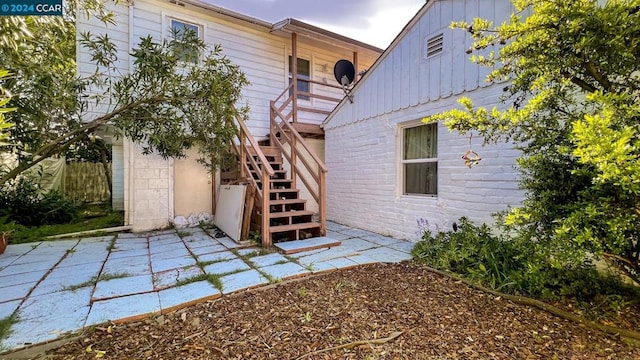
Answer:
(435, 45)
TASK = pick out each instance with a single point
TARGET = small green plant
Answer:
(184, 233)
(306, 317)
(255, 237)
(211, 278)
(302, 292)
(5, 326)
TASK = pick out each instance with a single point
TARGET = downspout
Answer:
(127, 171)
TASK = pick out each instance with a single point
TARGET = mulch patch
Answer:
(406, 311)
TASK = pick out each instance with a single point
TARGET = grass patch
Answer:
(183, 233)
(211, 278)
(6, 324)
(90, 217)
(95, 279)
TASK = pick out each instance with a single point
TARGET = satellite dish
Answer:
(345, 73)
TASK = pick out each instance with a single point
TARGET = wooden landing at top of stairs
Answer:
(296, 246)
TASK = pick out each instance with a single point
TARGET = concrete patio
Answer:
(56, 287)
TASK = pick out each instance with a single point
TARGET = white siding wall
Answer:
(148, 179)
(363, 139)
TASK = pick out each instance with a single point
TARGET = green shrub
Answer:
(514, 266)
(21, 202)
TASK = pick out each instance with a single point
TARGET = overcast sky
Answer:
(376, 22)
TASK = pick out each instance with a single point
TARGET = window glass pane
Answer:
(304, 73)
(179, 29)
(421, 178)
(421, 142)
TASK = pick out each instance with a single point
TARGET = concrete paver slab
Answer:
(30, 277)
(127, 307)
(384, 254)
(122, 253)
(362, 259)
(328, 254)
(65, 304)
(333, 226)
(291, 247)
(81, 273)
(84, 257)
(357, 244)
(8, 308)
(61, 283)
(186, 294)
(174, 263)
(14, 269)
(251, 251)
(208, 249)
(404, 246)
(170, 253)
(15, 292)
(123, 286)
(338, 236)
(20, 249)
(266, 260)
(218, 256)
(356, 232)
(337, 263)
(127, 265)
(171, 277)
(46, 328)
(380, 239)
(226, 267)
(321, 266)
(230, 244)
(242, 280)
(98, 239)
(283, 271)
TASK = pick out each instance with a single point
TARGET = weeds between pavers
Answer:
(94, 280)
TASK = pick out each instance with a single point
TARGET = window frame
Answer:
(290, 77)
(402, 186)
(199, 26)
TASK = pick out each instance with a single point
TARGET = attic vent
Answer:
(435, 45)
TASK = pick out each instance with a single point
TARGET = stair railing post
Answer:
(242, 154)
(266, 234)
(323, 202)
(294, 161)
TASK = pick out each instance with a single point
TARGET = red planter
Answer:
(4, 240)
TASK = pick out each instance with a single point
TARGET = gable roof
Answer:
(416, 18)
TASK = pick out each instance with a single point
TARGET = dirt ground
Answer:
(381, 311)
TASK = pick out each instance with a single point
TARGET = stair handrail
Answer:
(319, 176)
(265, 172)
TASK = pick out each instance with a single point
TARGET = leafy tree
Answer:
(165, 104)
(4, 99)
(572, 106)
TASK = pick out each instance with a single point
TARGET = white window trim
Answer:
(401, 161)
(311, 60)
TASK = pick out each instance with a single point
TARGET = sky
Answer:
(375, 22)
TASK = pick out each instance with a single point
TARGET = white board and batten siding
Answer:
(363, 146)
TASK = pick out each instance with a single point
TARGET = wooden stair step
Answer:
(276, 215)
(287, 202)
(276, 191)
(293, 227)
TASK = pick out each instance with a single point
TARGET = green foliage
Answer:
(164, 103)
(571, 106)
(22, 201)
(514, 266)
(90, 217)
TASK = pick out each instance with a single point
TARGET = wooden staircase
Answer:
(288, 216)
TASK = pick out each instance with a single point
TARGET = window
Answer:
(304, 75)
(182, 30)
(435, 45)
(420, 160)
